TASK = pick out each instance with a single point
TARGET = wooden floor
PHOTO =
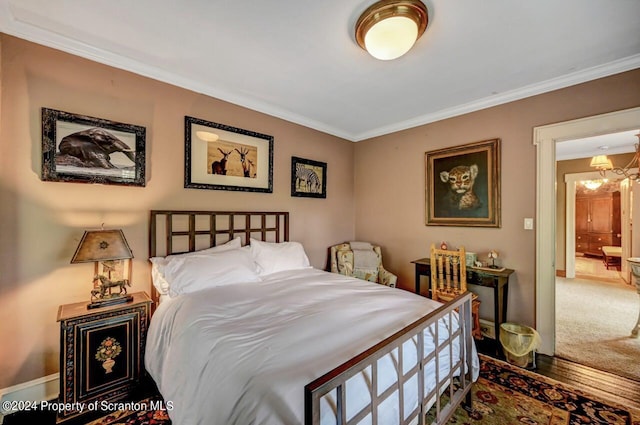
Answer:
(605, 385)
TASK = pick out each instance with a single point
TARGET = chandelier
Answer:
(604, 164)
(594, 184)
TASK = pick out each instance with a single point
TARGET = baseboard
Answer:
(488, 328)
(41, 389)
(561, 273)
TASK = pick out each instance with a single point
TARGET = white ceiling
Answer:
(606, 144)
(298, 60)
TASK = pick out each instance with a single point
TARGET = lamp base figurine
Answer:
(101, 296)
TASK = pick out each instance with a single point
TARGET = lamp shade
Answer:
(101, 245)
(389, 28)
(601, 162)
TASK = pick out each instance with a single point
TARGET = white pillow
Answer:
(192, 273)
(275, 257)
(158, 263)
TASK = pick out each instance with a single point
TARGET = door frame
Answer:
(545, 138)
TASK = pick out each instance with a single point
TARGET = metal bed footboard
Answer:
(434, 406)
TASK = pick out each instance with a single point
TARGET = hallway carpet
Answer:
(594, 322)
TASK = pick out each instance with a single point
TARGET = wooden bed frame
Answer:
(172, 232)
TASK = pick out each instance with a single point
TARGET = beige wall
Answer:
(390, 183)
(571, 167)
(41, 222)
(381, 199)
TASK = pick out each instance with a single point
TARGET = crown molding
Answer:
(11, 26)
(622, 65)
(22, 29)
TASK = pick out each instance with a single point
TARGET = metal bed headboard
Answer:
(177, 231)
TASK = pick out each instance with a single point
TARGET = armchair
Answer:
(361, 260)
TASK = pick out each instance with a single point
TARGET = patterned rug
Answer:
(137, 417)
(504, 394)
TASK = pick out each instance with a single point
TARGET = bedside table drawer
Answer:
(116, 335)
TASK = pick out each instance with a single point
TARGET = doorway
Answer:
(594, 307)
(545, 138)
(573, 183)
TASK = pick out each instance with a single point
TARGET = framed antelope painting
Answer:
(308, 178)
(463, 185)
(222, 157)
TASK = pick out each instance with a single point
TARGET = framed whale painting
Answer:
(463, 185)
(83, 149)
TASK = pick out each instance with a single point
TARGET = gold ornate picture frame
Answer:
(463, 185)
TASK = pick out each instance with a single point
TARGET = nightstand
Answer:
(101, 353)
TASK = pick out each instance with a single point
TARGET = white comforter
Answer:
(242, 354)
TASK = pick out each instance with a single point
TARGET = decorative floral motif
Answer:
(487, 397)
(109, 349)
(506, 394)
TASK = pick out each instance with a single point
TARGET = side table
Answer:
(498, 280)
(101, 352)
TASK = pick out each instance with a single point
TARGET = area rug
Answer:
(594, 269)
(136, 417)
(504, 394)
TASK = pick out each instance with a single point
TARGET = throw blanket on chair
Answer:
(364, 257)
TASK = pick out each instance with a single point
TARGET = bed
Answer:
(293, 344)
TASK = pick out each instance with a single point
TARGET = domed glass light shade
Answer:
(389, 28)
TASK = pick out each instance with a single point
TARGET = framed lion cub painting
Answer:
(463, 185)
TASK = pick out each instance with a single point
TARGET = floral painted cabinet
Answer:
(102, 353)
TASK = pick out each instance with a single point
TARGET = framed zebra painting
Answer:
(308, 178)
(221, 157)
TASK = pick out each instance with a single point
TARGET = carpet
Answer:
(504, 394)
(593, 325)
(594, 269)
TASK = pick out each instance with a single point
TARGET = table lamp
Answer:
(110, 251)
(493, 254)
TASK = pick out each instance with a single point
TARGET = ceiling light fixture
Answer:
(207, 136)
(594, 184)
(601, 162)
(389, 28)
(604, 164)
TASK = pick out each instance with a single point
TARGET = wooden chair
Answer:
(449, 279)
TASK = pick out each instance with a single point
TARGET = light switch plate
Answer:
(528, 224)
